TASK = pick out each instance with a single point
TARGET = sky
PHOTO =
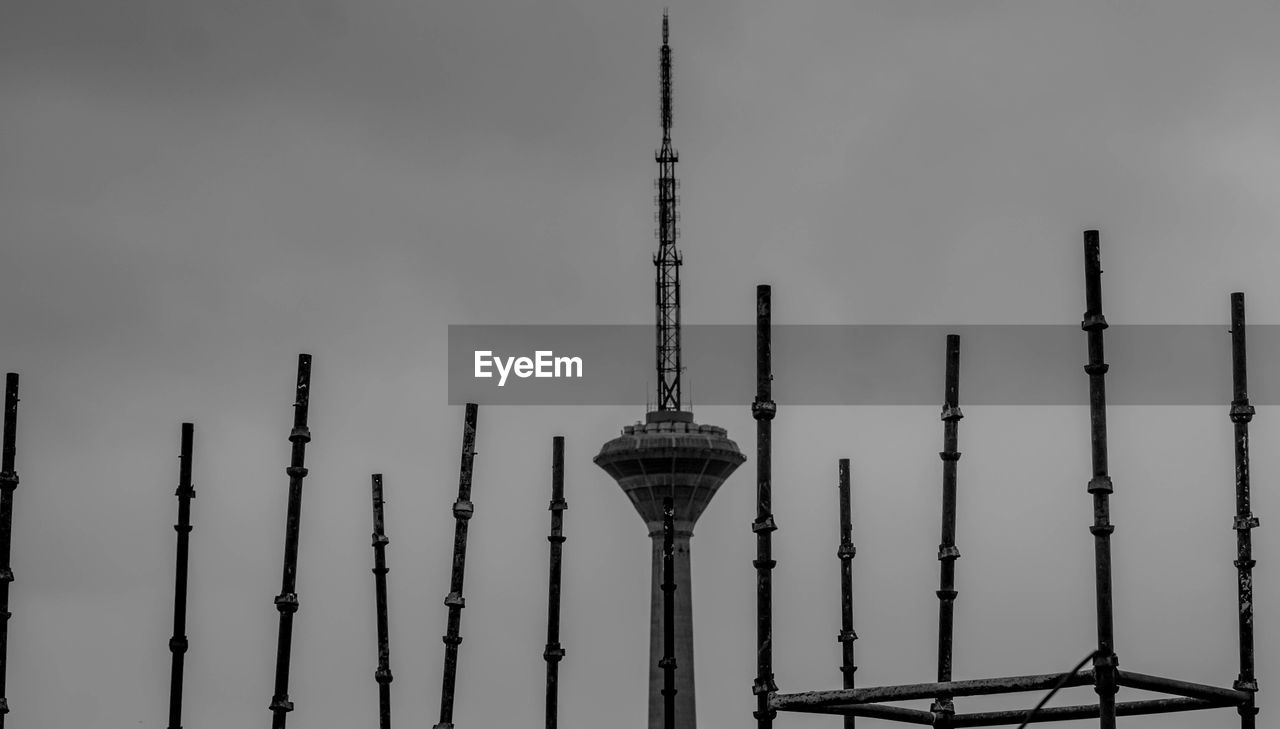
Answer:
(192, 193)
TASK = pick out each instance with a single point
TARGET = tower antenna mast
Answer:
(670, 458)
(667, 260)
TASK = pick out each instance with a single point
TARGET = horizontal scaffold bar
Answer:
(1181, 688)
(973, 687)
(1000, 718)
(875, 711)
(1070, 713)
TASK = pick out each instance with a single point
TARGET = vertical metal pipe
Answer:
(383, 672)
(8, 482)
(944, 706)
(763, 410)
(462, 511)
(846, 553)
(1104, 663)
(554, 652)
(668, 662)
(287, 600)
(1241, 413)
(178, 644)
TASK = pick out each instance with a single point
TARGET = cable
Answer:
(1061, 682)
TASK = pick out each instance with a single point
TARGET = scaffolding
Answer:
(1104, 675)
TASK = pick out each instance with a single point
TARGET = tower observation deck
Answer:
(669, 455)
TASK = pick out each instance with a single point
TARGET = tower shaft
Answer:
(667, 260)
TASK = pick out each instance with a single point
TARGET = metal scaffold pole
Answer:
(944, 706)
(1245, 522)
(8, 483)
(287, 600)
(846, 553)
(178, 644)
(462, 511)
(553, 653)
(763, 410)
(1104, 662)
(668, 662)
(382, 674)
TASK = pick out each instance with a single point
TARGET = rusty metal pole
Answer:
(846, 553)
(1241, 413)
(462, 511)
(763, 410)
(382, 674)
(668, 662)
(1104, 663)
(178, 644)
(287, 600)
(553, 653)
(8, 482)
(944, 707)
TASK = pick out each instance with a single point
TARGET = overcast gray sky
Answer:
(194, 192)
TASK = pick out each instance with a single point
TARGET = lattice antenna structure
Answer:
(1105, 675)
(667, 260)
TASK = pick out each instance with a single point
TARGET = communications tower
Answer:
(669, 455)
